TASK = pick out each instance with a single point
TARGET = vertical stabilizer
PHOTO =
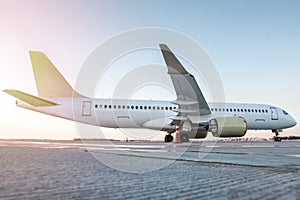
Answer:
(49, 82)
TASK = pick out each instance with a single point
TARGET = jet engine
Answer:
(229, 126)
(197, 132)
(193, 130)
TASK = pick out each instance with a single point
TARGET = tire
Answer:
(168, 138)
(184, 138)
(277, 139)
(171, 138)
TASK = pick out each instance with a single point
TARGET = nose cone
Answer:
(287, 119)
(292, 122)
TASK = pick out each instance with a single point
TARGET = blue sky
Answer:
(255, 45)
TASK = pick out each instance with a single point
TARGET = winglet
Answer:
(174, 66)
(30, 99)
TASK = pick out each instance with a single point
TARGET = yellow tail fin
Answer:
(49, 82)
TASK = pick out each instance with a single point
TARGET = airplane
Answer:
(190, 115)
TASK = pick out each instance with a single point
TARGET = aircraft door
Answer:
(86, 108)
(274, 113)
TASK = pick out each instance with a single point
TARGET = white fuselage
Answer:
(189, 113)
(157, 114)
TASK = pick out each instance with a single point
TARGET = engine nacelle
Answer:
(197, 132)
(193, 130)
(229, 126)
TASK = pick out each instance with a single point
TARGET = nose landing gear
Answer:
(276, 138)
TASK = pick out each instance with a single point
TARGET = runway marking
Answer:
(296, 155)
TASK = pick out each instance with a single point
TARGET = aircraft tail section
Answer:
(49, 81)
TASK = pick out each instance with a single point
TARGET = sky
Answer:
(255, 46)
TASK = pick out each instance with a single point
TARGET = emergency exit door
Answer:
(274, 113)
(86, 108)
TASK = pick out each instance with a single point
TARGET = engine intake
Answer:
(229, 126)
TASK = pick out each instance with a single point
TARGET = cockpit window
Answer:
(284, 112)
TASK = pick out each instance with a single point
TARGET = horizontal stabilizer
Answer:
(30, 99)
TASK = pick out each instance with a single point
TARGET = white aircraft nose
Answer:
(292, 121)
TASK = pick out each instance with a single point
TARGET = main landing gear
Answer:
(276, 138)
(183, 138)
(180, 136)
(169, 138)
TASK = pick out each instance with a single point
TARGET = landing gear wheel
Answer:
(168, 138)
(277, 139)
(184, 137)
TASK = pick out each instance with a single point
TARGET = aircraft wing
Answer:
(190, 99)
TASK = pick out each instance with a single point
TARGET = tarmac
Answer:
(95, 169)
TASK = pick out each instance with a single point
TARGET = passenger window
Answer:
(145, 107)
(256, 110)
(266, 111)
(263, 111)
(230, 109)
(115, 106)
(248, 110)
(136, 107)
(105, 106)
(96, 106)
(153, 107)
(100, 106)
(132, 107)
(212, 109)
(252, 110)
(259, 111)
(109, 106)
(128, 107)
(123, 106)
(238, 110)
(149, 107)
(227, 110)
(162, 108)
(157, 107)
(220, 110)
(141, 107)
(234, 110)
(166, 108)
(170, 108)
